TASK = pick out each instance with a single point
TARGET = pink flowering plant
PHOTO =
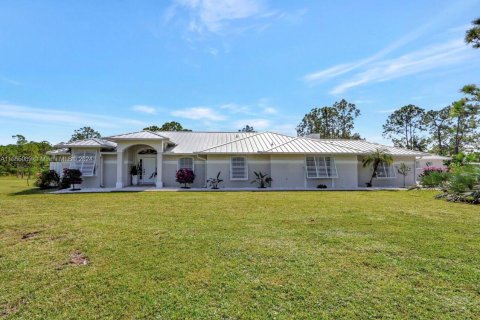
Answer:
(185, 176)
(434, 177)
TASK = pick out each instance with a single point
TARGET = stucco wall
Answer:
(288, 171)
(93, 181)
(221, 163)
(170, 167)
(109, 170)
(364, 174)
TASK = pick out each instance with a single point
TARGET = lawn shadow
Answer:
(31, 191)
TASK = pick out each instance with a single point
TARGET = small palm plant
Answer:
(375, 159)
(403, 170)
(262, 179)
(214, 182)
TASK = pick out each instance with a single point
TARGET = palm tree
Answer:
(375, 158)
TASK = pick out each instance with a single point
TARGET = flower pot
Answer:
(135, 180)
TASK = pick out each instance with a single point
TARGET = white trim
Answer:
(246, 169)
(332, 167)
(193, 163)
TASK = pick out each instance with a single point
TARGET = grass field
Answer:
(282, 255)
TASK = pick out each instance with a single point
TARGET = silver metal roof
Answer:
(58, 151)
(253, 143)
(306, 145)
(88, 143)
(140, 135)
(434, 157)
(362, 146)
(187, 142)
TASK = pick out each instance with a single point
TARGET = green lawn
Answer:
(385, 254)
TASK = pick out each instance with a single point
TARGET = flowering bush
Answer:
(433, 177)
(185, 176)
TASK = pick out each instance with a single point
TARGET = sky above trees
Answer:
(122, 66)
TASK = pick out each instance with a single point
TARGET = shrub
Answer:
(463, 179)
(322, 186)
(185, 176)
(433, 177)
(214, 182)
(262, 179)
(47, 179)
(71, 177)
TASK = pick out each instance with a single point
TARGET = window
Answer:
(238, 168)
(321, 167)
(385, 171)
(85, 162)
(185, 163)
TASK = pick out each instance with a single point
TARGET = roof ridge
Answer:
(235, 140)
(337, 145)
(282, 144)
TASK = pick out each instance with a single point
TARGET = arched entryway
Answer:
(145, 161)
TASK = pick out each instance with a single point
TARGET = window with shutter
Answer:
(321, 167)
(85, 162)
(238, 168)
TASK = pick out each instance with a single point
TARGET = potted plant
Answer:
(214, 182)
(134, 173)
(375, 158)
(262, 179)
(185, 176)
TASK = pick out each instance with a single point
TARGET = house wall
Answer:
(422, 163)
(109, 170)
(289, 171)
(93, 181)
(170, 167)
(364, 174)
(221, 163)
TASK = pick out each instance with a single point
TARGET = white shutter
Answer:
(85, 162)
(238, 168)
(321, 167)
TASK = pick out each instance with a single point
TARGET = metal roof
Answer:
(253, 143)
(88, 143)
(362, 146)
(434, 157)
(58, 151)
(140, 135)
(306, 145)
(187, 142)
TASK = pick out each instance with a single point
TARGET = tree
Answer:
(167, 126)
(247, 128)
(465, 124)
(438, 122)
(346, 114)
(85, 133)
(336, 121)
(375, 159)
(185, 176)
(473, 35)
(404, 170)
(404, 126)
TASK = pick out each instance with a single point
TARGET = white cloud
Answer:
(236, 108)
(144, 109)
(270, 110)
(428, 58)
(212, 15)
(57, 117)
(198, 113)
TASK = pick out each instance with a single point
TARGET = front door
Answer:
(148, 167)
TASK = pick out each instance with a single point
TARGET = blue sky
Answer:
(217, 65)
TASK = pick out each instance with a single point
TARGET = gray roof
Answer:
(253, 143)
(362, 146)
(434, 157)
(188, 142)
(306, 145)
(140, 135)
(61, 151)
(88, 143)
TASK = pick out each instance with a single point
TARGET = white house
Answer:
(292, 162)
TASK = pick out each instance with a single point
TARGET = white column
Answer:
(159, 182)
(119, 169)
